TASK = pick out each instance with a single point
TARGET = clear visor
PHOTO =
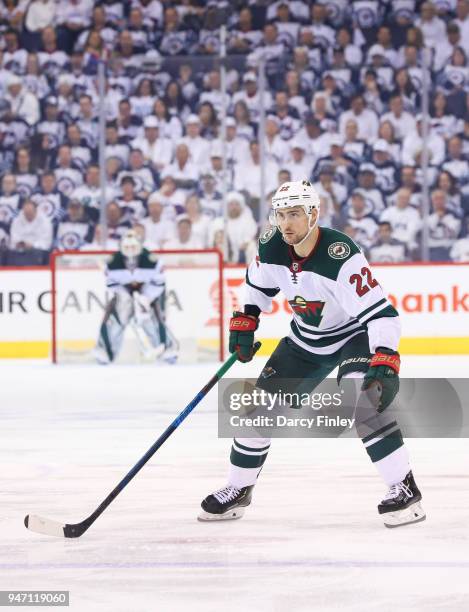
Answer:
(273, 212)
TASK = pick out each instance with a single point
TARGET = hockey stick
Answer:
(54, 528)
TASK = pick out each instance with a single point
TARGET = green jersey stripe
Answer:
(378, 432)
(389, 311)
(266, 291)
(385, 446)
(324, 340)
(370, 308)
(333, 330)
(249, 449)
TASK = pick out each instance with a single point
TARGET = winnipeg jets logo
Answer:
(309, 312)
(339, 250)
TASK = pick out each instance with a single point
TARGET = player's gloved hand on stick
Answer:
(384, 374)
(242, 328)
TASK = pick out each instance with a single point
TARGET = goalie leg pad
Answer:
(111, 333)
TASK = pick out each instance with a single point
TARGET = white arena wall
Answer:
(433, 301)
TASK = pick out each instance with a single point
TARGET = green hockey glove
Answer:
(383, 374)
(242, 328)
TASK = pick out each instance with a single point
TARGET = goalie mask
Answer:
(131, 245)
(292, 194)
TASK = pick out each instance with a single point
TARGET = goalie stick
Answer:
(75, 530)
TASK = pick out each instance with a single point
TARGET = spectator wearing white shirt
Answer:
(333, 190)
(462, 20)
(183, 171)
(378, 62)
(68, 178)
(184, 240)
(413, 144)
(172, 197)
(215, 166)
(72, 18)
(276, 148)
(299, 166)
(210, 198)
(384, 38)
(156, 150)
(23, 103)
(30, 229)
(354, 147)
(144, 175)
(248, 174)
(134, 207)
(386, 249)
(157, 229)
(241, 229)
(402, 121)
(251, 97)
(365, 226)
(170, 125)
(117, 224)
(443, 123)
(10, 199)
(443, 227)
(75, 229)
(315, 142)
(52, 60)
(449, 185)
(144, 98)
(459, 252)
(152, 11)
(404, 219)
(200, 221)
(114, 146)
(14, 57)
(445, 47)
(199, 148)
(366, 119)
(455, 163)
(237, 148)
(432, 27)
(367, 187)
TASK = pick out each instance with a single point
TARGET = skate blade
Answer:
(230, 515)
(413, 514)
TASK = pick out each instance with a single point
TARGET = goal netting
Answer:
(194, 305)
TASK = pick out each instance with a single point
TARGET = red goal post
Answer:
(194, 302)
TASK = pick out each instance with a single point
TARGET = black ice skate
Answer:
(226, 504)
(401, 505)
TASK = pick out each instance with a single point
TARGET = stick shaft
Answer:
(77, 530)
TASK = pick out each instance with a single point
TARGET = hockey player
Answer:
(136, 279)
(350, 324)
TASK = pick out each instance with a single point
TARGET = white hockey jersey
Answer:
(148, 273)
(332, 292)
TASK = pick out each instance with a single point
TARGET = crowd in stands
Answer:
(343, 108)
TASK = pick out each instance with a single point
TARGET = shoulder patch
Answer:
(153, 258)
(338, 250)
(267, 235)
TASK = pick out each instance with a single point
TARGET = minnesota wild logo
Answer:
(309, 312)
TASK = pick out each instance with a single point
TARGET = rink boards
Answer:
(433, 301)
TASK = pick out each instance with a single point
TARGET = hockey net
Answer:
(194, 305)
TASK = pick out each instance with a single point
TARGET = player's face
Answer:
(293, 224)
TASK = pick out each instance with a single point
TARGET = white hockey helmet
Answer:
(296, 193)
(131, 245)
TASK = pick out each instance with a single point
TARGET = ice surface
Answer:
(312, 540)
